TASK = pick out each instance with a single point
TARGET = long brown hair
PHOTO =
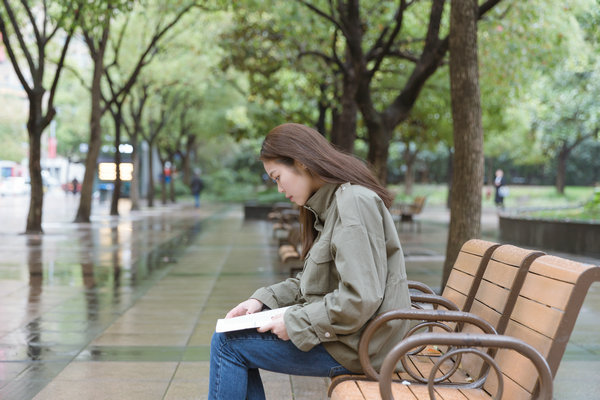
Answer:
(295, 142)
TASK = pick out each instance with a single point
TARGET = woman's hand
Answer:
(277, 326)
(249, 306)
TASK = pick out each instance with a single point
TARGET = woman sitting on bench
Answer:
(353, 270)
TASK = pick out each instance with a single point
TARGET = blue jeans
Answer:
(235, 358)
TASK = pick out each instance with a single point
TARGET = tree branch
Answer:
(50, 109)
(12, 56)
(142, 60)
(385, 48)
(318, 54)
(322, 13)
(36, 32)
(22, 44)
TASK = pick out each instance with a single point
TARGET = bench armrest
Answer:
(413, 315)
(421, 287)
(465, 340)
(433, 299)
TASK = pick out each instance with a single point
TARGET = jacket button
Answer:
(327, 334)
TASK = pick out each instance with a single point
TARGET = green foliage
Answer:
(519, 43)
(13, 137)
(589, 211)
(237, 72)
(272, 43)
(593, 206)
(72, 117)
(231, 170)
(13, 133)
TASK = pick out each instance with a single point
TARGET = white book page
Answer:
(248, 321)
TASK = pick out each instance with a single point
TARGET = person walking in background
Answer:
(74, 186)
(501, 188)
(354, 270)
(196, 187)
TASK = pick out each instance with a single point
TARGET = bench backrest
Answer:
(497, 293)
(418, 204)
(467, 272)
(544, 316)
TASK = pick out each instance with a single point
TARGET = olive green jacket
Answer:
(353, 272)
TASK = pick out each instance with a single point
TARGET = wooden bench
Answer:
(283, 215)
(481, 280)
(406, 213)
(538, 315)
(290, 249)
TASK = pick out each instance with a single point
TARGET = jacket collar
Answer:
(320, 201)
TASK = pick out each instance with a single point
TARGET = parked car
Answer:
(14, 185)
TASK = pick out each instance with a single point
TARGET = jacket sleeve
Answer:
(358, 256)
(281, 294)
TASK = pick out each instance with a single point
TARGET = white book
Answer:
(248, 321)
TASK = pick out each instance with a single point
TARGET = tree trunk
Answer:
(172, 183)
(345, 129)
(187, 159)
(114, 205)
(409, 176)
(85, 200)
(36, 200)
(465, 208)
(163, 183)
(323, 107)
(134, 193)
(561, 168)
(150, 175)
(379, 146)
(449, 176)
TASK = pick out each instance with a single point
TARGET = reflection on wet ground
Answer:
(60, 290)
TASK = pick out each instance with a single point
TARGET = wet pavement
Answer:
(124, 308)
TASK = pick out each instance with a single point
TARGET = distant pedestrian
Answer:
(501, 188)
(196, 187)
(74, 186)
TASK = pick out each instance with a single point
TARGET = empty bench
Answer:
(406, 213)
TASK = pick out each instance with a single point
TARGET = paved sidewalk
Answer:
(125, 308)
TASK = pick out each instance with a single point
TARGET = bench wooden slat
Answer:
(560, 268)
(539, 317)
(424, 365)
(549, 291)
(348, 390)
(500, 273)
(476, 246)
(474, 394)
(492, 295)
(456, 297)
(512, 391)
(369, 390)
(541, 342)
(468, 262)
(460, 282)
(525, 374)
(450, 394)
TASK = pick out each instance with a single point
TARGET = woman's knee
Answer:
(218, 340)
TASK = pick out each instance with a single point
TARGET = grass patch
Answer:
(589, 211)
(519, 197)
